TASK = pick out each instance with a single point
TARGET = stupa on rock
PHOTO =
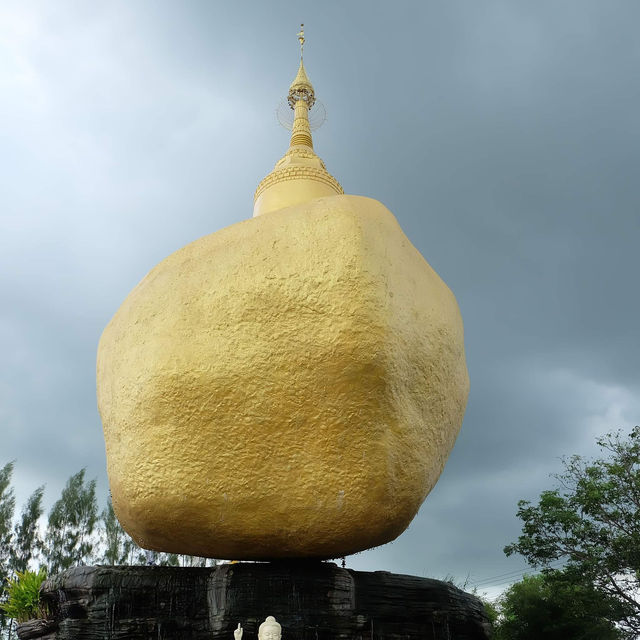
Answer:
(289, 386)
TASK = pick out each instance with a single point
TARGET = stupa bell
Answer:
(289, 386)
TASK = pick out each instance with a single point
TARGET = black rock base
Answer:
(312, 601)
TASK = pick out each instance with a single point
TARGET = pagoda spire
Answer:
(301, 98)
(300, 175)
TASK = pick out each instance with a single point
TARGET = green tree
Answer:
(165, 559)
(69, 540)
(552, 606)
(28, 542)
(491, 609)
(591, 521)
(195, 561)
(119, 548)
(7, 508)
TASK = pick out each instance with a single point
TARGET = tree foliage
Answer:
(28, 542)
(552, 606)
(118, 547)
(7, 508)
(72, 520)
(591, 521)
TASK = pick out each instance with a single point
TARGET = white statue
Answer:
(270, 629)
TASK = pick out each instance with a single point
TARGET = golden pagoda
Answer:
(289, 386)
(300, 175)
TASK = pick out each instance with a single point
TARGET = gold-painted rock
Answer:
(289, 386)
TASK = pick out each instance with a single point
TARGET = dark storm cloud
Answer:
(503, 135)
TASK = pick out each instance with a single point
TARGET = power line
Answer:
(500, 575)
(504, 578)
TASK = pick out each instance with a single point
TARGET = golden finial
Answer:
(301, 88)
(301, 38)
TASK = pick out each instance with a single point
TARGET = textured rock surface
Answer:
(312, 601)
(289, 386)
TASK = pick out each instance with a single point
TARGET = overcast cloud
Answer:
(504, 135)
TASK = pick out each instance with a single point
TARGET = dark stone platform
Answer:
(312, 601)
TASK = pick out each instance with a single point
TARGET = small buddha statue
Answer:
(270, 629)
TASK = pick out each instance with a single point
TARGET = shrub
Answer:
(23, 596)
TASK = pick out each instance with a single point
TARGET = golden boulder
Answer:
(289, 386)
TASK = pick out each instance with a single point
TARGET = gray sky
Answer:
(504, 135)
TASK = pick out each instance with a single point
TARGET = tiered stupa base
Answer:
(312, 601)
